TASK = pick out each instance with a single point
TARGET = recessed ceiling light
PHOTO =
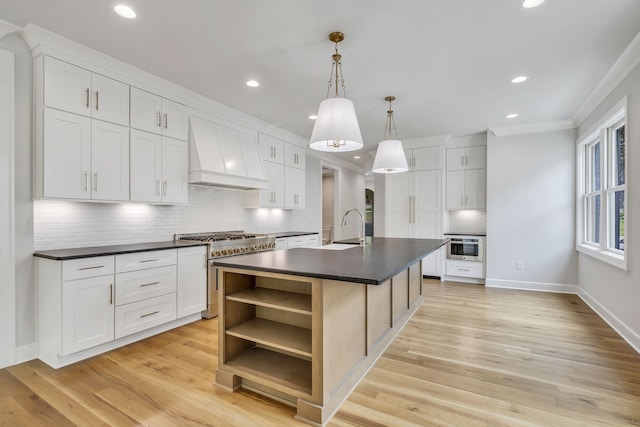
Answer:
(253, 83)
(528, 4)
(356, 157)
(512, 116)
(313, 117)
(519, 79)
(124, 11)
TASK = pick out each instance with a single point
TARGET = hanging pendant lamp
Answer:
(390, 157)
(336, 129)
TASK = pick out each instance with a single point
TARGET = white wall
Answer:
(351, 189)
(327, 201)
(531, 211)
(614, 293)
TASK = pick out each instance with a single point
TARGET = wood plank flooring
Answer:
(470, 356)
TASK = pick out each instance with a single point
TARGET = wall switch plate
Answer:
(519, 265)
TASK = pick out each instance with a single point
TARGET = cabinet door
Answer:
(432, 264)
(146, 167)
(294, 156)
(67, 155)
(110, 100)
(175, 164)
(456, 190)
(67, 87)
(87, 313)
(109, 161)
(273, 197)
(272, 149)
(426, 158)
(192, 280)
(175, 120)
(294, 188)
(456, 159)
(475, 189)
(297, 242)
(427, 192)
(476, 157)
(146, 111)
(397, 208)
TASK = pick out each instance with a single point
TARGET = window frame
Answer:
(604, 132)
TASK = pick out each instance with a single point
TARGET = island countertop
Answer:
(382, 259)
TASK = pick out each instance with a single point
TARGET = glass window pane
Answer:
(593, 219)
(594, 167)
(619, 155)
(616, 215)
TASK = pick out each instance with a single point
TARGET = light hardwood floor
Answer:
(469, 357)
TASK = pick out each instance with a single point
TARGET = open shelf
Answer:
(293, 339)
(275, 367)
(282, 300)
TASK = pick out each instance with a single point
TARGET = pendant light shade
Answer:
(336, 128)
(390, 157)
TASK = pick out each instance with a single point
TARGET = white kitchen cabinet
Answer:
(466, 189)
(272, 149)
(472, 269)
(79, 91)
(192, 280)
(281, 243)
(152, 113)
(159, 169)
(83, 158)
(271, 197)
(294, 156)
(425, 158)
(313, 240)
(297, 242)
(294, 190)
(466, 158)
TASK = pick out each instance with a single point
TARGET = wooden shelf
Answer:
(282, 300)
(273, 334)
(275, 367)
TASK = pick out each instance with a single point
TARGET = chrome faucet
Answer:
(344, 222)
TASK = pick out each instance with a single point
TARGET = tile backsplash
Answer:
(467, 221)
(63, 224)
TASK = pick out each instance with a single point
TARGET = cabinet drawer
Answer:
(313, 241)
(144, 260)
(281, 243)
(137, 316)
(465, 269)
(87, 267)
(142, 284)
(297, 242)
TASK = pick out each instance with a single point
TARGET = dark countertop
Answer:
(465, 234)
(66, 254)
(291, 233)
(372, 265)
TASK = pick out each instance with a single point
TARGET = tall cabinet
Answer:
(413, 202)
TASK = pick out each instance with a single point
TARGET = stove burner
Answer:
(225, 243)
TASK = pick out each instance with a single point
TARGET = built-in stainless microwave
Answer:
(467, 248)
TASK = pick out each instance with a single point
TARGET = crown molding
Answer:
(627, 61)
(7, 28)
(533, 128)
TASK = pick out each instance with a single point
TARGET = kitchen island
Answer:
(304, 325)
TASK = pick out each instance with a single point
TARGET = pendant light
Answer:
(390, 156)
(336, 129)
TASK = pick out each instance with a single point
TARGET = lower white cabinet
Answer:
(297, 242)
(303, 241)
(472, 269)
(85, 306)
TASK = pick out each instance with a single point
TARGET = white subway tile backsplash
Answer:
(467, 221)
(62, 224)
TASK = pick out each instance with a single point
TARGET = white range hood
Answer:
(222, 155)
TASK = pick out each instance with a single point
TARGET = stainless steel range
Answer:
(226, 243)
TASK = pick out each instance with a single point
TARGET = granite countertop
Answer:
(291, 233)
(372, 265)
(74, 253)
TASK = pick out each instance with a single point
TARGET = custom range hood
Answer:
(223, 155)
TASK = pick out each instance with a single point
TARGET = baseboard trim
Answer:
(27, 352)
(618, 325)
(533, 286)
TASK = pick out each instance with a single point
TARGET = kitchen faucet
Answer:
(344, 222)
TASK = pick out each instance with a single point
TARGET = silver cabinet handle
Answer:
(462, 161)
(86, 181)
(95, 182)
(92, 267)
(164, 187)
(149, 314)
(466, 160)
(150, 260)
(97, 100)
(275, 151)
(166, 120)
(111, 294)
(87, 97)
(159, 119)
(149, 284)
(158, 187)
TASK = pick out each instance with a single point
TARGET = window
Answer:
(601, 160)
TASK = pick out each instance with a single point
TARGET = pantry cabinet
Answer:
(159, 169)
(152, 113)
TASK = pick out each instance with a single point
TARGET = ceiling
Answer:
(448, 62)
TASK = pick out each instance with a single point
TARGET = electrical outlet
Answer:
(519, 265)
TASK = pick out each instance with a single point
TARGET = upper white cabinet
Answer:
(158, 169)
(422, 159)
(284, 164)
(152, 113)
(466, 178)
(79, 91)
